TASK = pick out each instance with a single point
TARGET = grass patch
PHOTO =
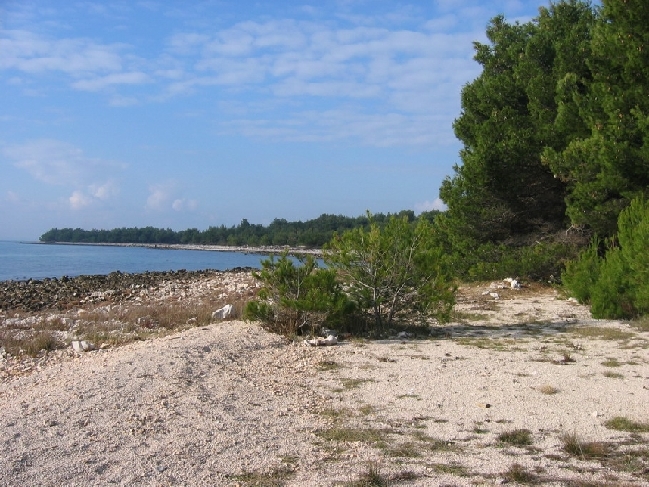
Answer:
(496, 344)
(517, 437)
(409, 450)
(451, 469)
(354, 383)
(611, 362)
(372, 477)
(274, 478)
(601, 332)
(406, 396)
(431, 443)
(29, 342)
(366, 409)
(641, 324)
(517, 473)
(613, 375)
(350, 435)
(620, 423)
(574, 446)
(547, 389)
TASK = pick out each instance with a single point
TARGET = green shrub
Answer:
(296, 299)
(581, 274)
(617, 286)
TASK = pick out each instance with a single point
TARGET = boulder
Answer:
(223, 313)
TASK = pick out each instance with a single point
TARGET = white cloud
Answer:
(55, 162)
(79, 200)
(31, 53)
(104, 191)
(436, 204)
(101, 82)
(184, 205)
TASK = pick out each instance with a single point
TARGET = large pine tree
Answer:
(609, 165)
(503, 192)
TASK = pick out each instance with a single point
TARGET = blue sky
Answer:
(189, 114)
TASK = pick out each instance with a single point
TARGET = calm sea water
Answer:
(28, 260)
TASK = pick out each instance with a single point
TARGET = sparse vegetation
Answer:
(621, 423)
(574, 446)
(548, 389)
(517, 437)
(517, 473)
(372, 477)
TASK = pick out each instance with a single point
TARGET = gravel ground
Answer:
(231, 404)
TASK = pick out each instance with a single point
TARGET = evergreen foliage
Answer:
(296, 299)
(503, 196)
(373, 278)
(394, 269)
(609, 165)
(312, 233)
(617, 284)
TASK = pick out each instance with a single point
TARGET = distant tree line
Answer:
(311, 234)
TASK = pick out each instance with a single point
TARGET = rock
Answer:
(321, 341)
(222, 313)
(82, 346)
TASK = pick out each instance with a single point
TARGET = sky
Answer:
(191, 114)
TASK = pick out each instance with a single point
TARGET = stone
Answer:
(82, 346)
(223, 313)
(321, 341)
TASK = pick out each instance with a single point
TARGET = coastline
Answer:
(263, 250)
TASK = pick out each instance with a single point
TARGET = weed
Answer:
(584, 449)
(620, 423)
(613, 375)
(603, 333)
(451, 469)
(518, 473)
(517, 437)
(372, 477)
(547, 389)
(611, 362)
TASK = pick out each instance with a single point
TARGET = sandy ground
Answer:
(230, 404)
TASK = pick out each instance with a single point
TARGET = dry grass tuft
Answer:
(547, 389)
(517, 437)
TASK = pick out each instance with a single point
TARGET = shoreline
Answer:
(263, 249)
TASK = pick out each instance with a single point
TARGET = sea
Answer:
(20, 261)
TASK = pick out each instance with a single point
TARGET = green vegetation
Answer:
(373, 277)
(312, 233)
(393, 269)
(517, 437)
(613, 275)
(296, 299)
(621, 423)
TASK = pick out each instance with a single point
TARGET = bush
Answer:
(295, 299)
(394, 271)
(617, 286)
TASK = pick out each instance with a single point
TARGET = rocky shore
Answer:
(67, 292)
